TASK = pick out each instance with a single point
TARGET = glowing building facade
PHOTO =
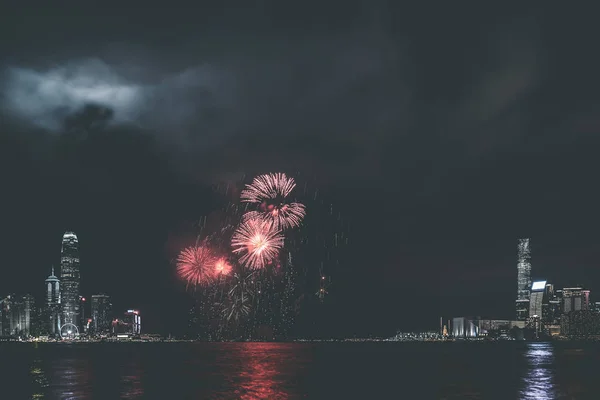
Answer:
(131, 324)
(15, 315)
(580, 324)
(536, 300)
(464, 328)
(70, 281)
(575, 299)
(52, 304)
(101, 314)
(4, 316)
(523, 279)
(133, 321)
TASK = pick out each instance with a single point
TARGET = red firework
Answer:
(258, 241)
(196, 265)
(270, 192)
(222, 267)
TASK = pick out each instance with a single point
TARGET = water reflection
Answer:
(539, 380)
(260, 376)
(71, 379)
(39, 382)
(131, 380)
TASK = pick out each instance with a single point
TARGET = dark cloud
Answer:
(356, 94)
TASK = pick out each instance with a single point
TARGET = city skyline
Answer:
(101, 310)
(61, 311)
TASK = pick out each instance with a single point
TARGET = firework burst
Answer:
(258, 242)
(222, 267)
(270, 192)
(196, 265)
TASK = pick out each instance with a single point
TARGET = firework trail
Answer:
(258, 241)
(270, 192)
(288, 298)
(240, 295)
(196, 265)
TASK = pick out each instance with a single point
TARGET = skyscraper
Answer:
(53, 304)
(5, 308)
(101, 313)
(133, 322)
(16, 315)
(22, 314)
(523, 279)
(575, 299)
(538, 292)
(70, 280)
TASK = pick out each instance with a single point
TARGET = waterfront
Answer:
(498, 370)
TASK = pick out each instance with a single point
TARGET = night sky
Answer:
(442, 135)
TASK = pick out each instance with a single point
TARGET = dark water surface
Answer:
(173, 371)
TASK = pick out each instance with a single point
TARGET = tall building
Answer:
(575, 299)
(536, 305)
(24, 314)
(82, 319)
(131, 324)
(70, 281)
(16, 313)
(133, 321)
(523, 279)
(52, 305)
(465, 327)
(538, 291)
(552, 307)
(580, 324)
(5, 306)
(101, 313)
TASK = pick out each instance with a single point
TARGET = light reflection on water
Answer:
(70, 379)
(131, 380)
(39, 382)
(275, 371)
(259, 376)
(539, 381)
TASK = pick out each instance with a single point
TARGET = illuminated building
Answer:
(101, 313)
(133, 321)
(70, 281)
(551, 311)
(523, 279)
(536, 301)
(575, 299)
(463, 328)
(5, 306)
(83, 320)
(486, 325)
(549, 291)
(556, 307)
(580, 324)
(131, 324)
(538, 290)
(16, 315)
(52, 304)
(522, 309)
